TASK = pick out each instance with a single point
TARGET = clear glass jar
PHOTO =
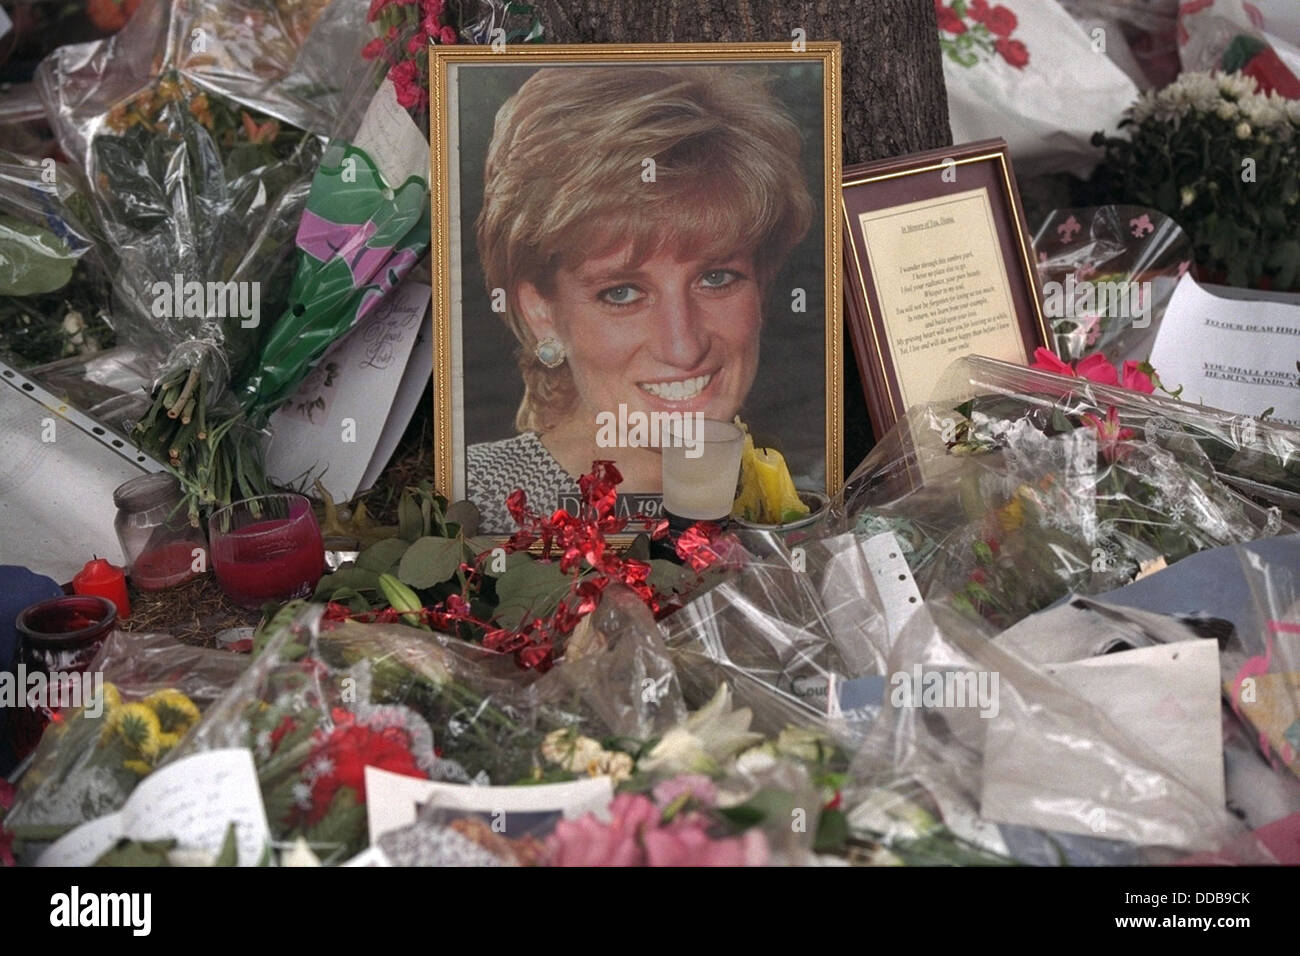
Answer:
(162, 548)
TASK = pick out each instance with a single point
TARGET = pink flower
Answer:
(687, 844)
(1136, 379)
(416, 43)
(432, 8)
(406, 80)
(588, 842)
(1096, 368)
(978, 10)
(376, 8)
(447, 36)
(1046, 360)
(700, 788)
(636, 836)
(374, 49)
(1110, 436)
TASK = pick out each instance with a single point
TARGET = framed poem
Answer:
(938, 264)
(621, 234)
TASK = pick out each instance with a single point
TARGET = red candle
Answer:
(105, 580)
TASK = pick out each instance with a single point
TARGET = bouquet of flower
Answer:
(91, 757)
(1059, 490)
(1221, 157)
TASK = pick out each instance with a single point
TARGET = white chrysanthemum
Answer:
(1226, 111)
(1243, 130)
(1237, 85)
(1293, 111)
(1261, 113)
(1201, 92)
(1188, 196)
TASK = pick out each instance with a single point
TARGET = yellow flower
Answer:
(138, 727)
(112, 696)
(1012, 515)
(112, 717)
(167, 741)
(141, 767)
(176, 712)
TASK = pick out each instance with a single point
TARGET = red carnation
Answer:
(949, 22)
(1001, 21)
(447, 36)
(1014, 52)
(349, 748)
(374, 49)
(978, 10)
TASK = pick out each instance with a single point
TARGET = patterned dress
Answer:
(494, 469)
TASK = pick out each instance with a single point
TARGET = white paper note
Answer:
(193, 801)
(390, 137)
(349, 413)
(1166, 698)
(1231, 354)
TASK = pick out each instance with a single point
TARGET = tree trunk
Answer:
(893, 92)
(894, 97)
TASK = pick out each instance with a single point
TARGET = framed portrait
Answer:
(625, 237)
(938, 264)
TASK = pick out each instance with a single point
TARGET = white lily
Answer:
(712, 734)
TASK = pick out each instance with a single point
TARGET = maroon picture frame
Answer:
(898, 181)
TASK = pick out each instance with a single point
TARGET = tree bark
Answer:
(893, 93)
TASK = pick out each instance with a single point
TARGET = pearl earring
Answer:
(550, 352)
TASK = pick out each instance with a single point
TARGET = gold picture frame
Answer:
(449, 67)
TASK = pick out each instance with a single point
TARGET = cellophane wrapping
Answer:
(198, 128)
(91, 758)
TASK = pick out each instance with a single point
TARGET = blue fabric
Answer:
(19, 588)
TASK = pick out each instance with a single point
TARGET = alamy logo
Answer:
(133, 910)
(948, 689)
(54, 691)
(196, 300)
(1075, 299)
(651, 430)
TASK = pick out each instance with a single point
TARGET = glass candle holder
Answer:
(162, 548)
(64, 633)
(267, 548)
(701, 466)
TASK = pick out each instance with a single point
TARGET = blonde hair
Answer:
(563, 183)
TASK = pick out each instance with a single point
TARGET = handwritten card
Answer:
(345, 420)
(1232, 354)
(192, 801)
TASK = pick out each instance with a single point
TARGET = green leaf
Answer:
(33, 260)
(639, 549)
(529, 588)
(410, 523)
(477, 545)
(832, 831)
(667, 576)
(132, 853)
(429, 561)
(229, 855)
(356, 601)
(465, 514)
(351, 579)
(382, 556)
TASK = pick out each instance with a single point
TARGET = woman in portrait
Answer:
(634, 219)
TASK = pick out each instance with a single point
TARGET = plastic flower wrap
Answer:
(53, 285)
(782, 630)
(1017, 766)
(1262, 662)
(1108, 273)
(91, 758)
(1059, 486)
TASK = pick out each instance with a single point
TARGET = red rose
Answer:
(1014, 52)
(978, 10)
(1001, 21)
(949, 22)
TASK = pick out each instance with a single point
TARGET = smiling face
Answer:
(666, 334)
